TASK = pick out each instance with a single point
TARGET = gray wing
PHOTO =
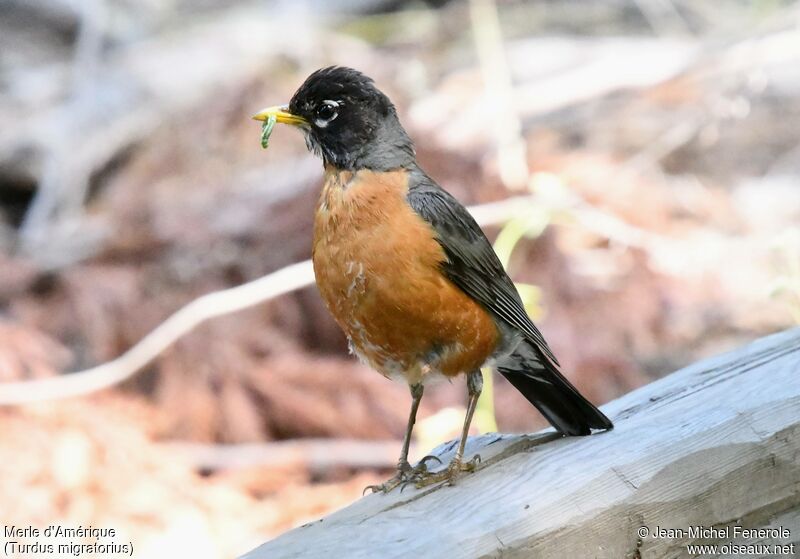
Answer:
(471, 261)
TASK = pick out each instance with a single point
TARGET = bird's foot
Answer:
(405, 474)
(449, 474)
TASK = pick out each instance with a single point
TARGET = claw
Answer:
(404, 473)
(472, 464)
(428, 457)
(450, 474)
(405, 476)
(387, 486)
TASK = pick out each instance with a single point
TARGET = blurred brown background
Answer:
(657, 140)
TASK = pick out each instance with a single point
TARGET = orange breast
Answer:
(377, 268)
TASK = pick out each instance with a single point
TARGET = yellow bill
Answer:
(281, 114)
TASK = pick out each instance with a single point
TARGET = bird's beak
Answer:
(281, 114)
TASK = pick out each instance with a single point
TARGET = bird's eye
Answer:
(326, 112)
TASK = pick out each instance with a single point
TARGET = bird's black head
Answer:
(348, 121)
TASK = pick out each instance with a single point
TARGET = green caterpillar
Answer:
(266, 130)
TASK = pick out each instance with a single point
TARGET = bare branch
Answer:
(283, 281)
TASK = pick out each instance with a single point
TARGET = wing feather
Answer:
(471, 263)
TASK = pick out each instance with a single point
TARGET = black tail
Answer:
(546, 388)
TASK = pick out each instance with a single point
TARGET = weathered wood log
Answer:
(715, 445)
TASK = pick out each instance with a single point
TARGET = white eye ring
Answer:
(323, 122)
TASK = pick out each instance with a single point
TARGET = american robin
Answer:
(408, 274)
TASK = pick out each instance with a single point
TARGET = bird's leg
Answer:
(404, 469)
(474, 388)
(416, 398)
(457, 464)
